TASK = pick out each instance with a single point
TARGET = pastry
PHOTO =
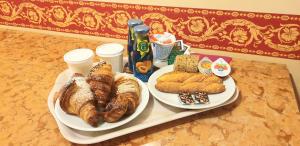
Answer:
(186, 63)
(176, 82)
(188, 77)
(101, 80)
(126, 98)
(174, 76)
(209, 88)
(76, 98)
(192, 87)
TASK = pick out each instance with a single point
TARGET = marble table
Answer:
(265, 114)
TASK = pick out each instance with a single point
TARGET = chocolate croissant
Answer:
(76, 98)
(101, 80)
(126, 98)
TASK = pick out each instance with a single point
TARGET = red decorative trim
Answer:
(276, 35)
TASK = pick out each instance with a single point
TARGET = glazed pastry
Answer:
(76, 98)
(192, 87)
(126, 98)
(203, 78)
(175, 76)
(209, 88)
(188, 77)
(176, 82)
(101, 80)
(169, 87)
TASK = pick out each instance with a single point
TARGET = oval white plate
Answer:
(77, 123)
(173, 100)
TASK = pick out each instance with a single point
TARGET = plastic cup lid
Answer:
(163, 39)
(77, 56)
(109, 50)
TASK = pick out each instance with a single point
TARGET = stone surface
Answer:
(265, 114)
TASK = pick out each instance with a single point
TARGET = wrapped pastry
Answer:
(186, 63)
(101, 80)
(76, 98)
(126, 98)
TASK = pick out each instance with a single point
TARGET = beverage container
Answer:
(112, 53)
(79, 60)
(131, 24)
(162, 45)
(142, 58)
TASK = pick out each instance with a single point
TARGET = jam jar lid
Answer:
(134, 22)
(220, 67)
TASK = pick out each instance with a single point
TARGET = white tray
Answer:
(155, 113)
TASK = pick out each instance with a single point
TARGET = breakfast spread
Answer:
(101, 95)
(192, 79)
(98, 94)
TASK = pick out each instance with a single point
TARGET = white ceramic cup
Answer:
(80, 60)
(112, 53)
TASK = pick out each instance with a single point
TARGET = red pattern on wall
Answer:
(276, 35)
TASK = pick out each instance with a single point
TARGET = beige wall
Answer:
(268, 6)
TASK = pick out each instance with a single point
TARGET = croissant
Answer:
(126, 98)
(101, 80)
(76, 98)
(177, 82)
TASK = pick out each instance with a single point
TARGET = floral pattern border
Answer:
(276, 35)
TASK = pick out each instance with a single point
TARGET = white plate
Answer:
(77, 123)
(172, 99)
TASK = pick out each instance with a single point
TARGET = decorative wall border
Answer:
(276, 35)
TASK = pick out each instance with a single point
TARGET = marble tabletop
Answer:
(266, 112)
